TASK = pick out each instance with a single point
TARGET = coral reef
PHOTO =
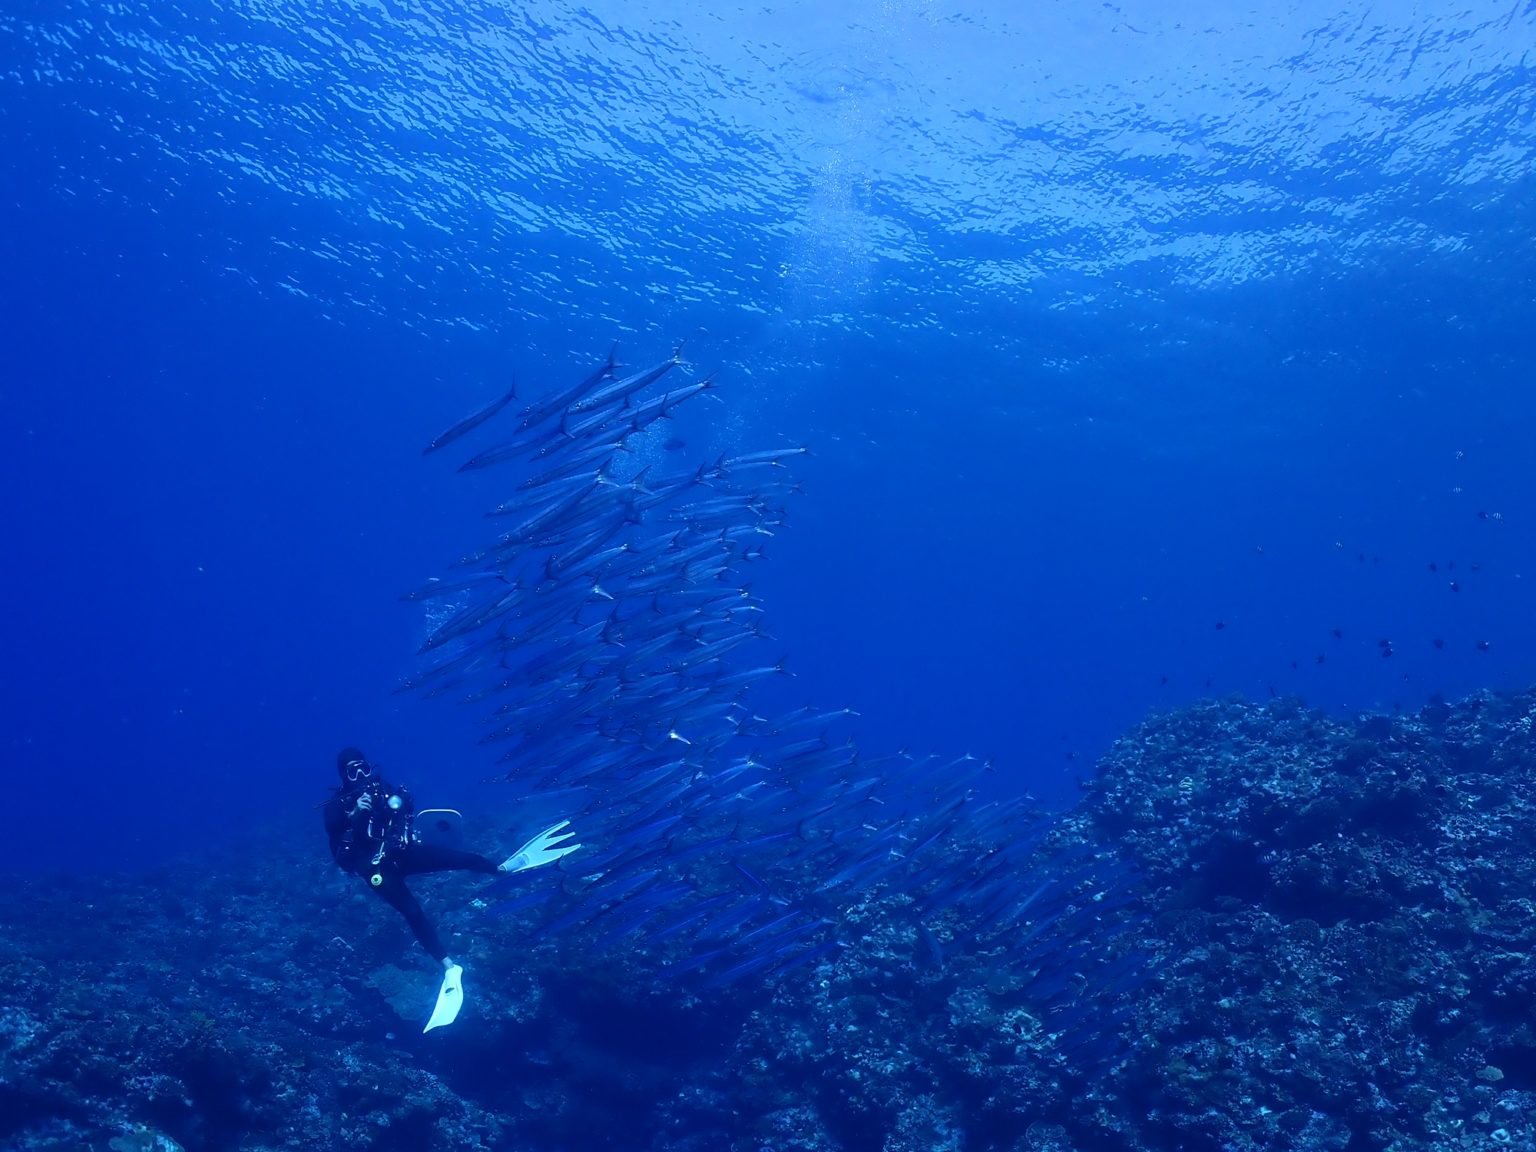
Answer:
(1345, 916)
(1329, 948)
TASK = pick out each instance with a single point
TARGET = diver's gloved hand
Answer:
(540, 850)
(364, 804)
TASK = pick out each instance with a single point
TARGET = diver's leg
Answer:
(419, 858)
(392, 888)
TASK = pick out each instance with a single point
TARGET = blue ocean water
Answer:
(1139, 348)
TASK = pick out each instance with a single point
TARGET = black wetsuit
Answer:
(377, 842)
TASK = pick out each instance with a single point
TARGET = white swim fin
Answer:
(450, 998)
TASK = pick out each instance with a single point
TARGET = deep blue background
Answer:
(1067, 415)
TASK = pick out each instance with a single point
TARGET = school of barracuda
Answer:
(605, 635)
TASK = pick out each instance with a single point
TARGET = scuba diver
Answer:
(372, 828)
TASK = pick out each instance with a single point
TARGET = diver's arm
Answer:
(346, 822)
(337, 821)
